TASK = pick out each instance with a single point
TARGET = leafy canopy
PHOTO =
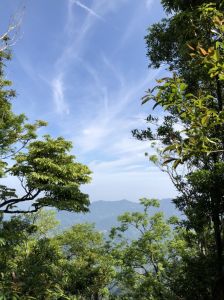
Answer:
(48, 173)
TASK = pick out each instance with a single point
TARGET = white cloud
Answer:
(75, 40)
(89, 10)
(117, 74)
(61, 105)
(92, 136)
(102, 134)
(110, 127)
(129, 185)
(134, 26)
(129, 145)
(149, 3)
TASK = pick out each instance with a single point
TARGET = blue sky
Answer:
(82, 66)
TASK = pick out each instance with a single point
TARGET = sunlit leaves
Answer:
(143, 263)
(199, 114)
(48, 173)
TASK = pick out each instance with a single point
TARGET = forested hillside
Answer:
(157, 250)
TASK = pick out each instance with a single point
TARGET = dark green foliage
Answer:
(190, 144)
(182, 5)
(168, 43)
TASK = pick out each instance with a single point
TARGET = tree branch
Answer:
(13, 201)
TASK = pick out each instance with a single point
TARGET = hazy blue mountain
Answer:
(104, 213)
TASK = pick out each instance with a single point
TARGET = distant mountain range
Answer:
(104, 213)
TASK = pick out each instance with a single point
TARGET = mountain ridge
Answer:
(104, 213)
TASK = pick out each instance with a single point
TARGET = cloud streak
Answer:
(73, 46)
(99, 131)
(106, 96)
(61, 105)
(149, 3)
(89, 10)
(103, 126)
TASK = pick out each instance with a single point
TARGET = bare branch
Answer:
(11, 35)
(20, 211)
(10, 202)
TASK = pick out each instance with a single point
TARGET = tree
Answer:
(37, 264)
(191, 43)
(10, 36)
(31, 261)
(89, 266)
(48, 173)
(144, 264)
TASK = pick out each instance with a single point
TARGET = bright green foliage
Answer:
(15, 133)
(29, 260)
(48, 173)
(41, 269)
(45, 222)
(48, 168)
(197, 117)
(168, 41)
(37, 264)
(200, 115)
(143, 264)
(167, 260)
(161, 263)
(89, 266)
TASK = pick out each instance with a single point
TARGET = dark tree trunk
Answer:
(218, 292)
(96, 296)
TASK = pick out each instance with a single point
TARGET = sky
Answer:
(82, 67)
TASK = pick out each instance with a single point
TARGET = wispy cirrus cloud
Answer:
(95, 73)
(108, 103)
(129, 184)
(149, 3)
(61, 105)
(89, 10)
(75, 40)
(106, 96)
(110, 125)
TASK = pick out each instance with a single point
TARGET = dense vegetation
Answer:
(169, 259)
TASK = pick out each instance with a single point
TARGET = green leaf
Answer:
(167, 161)
(176, 163)
(205, 120)
(170, 148)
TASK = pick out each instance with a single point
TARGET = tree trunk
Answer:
(96, 296)
(218, 292)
